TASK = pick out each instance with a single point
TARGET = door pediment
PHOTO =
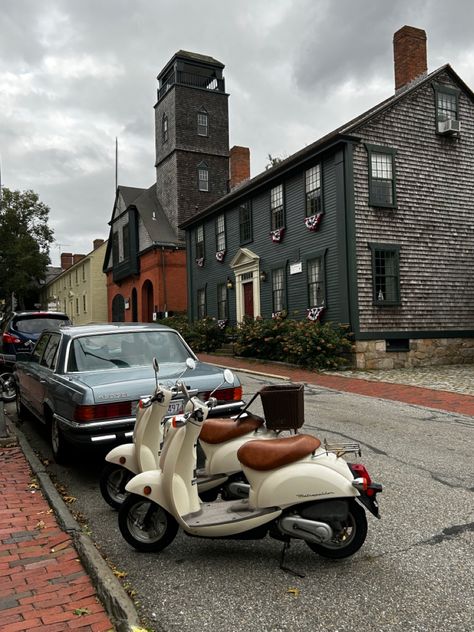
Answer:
(244, 257)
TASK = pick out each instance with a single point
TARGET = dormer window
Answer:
(203, 123)
(203, 177)
(164, 128)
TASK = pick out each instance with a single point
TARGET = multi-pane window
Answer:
(220, 233)
(386, 274)
(202, 123)
(201, 303)
(278, 290)
(382, 177)
(245, 223)
(222, 311)
(84, 303)
(313, 191)
(277, 207)
(315, 282)
(115, 247)
(200, 242)
(164, 128)
(447, 106)
(203, 177)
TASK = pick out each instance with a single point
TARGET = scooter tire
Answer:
(145, 525)
(345, 544)
(112, 481)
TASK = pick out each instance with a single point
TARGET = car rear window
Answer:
(35, 324)
(127, 349)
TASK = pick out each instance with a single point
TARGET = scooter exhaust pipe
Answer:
(310, 530)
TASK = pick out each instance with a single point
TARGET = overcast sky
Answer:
(76, 74)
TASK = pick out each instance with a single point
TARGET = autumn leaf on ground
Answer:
(40, 525)
(80, 612)
(119, 574)
(294, 591)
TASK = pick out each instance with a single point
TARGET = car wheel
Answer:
(8, 387)
(145, 525)
(59, 445)
(112, 484)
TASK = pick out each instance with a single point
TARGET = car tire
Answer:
(59, 445)
(8, 387)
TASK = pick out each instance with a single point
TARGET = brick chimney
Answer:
(66, 260)
(239, 165)
(97, 242)
(77, 258)
(409, 55)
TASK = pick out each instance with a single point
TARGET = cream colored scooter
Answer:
(298, 489)
(221, 471)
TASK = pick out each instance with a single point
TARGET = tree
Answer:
(273, 161)
(25, 239)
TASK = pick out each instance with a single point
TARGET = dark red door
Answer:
(248, 299)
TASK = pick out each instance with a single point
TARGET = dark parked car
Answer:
(18, 332)
(85, 382)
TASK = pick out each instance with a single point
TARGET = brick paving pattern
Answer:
(436, 392)
(43, 586)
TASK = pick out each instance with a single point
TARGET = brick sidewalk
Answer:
(43, 586)
(431, 398)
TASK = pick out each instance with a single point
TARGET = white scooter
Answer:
(221, 471)
(298, 489)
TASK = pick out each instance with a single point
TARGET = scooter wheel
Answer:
(112, 482)
(348, 537)
(145, 525)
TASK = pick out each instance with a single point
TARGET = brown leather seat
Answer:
(267, 455)
(221, 429)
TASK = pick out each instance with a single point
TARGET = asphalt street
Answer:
(414, 572)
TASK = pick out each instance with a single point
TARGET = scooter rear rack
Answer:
(340, 449)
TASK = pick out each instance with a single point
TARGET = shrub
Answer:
(201, 335)
(305, 343)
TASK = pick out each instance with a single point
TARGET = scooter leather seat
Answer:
(220, 430)
(268, 455)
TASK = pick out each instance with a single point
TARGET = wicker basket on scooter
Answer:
(283, 406)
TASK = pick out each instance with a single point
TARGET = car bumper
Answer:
(121, 430)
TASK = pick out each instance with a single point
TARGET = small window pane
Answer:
(447, 106)
(313, 191)
(386, 281)
(245, 223)
(278, 290)
(382, 179)
(277, 209)
(220, 233)
(199, 242)
(315, 283)
(203, 179)
(222, 302)
(202, 124)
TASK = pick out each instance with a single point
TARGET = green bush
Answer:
(201, 335)
(305, 343)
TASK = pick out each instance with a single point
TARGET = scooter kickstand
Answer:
(286, 546)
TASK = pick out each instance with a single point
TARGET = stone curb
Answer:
(117, 603)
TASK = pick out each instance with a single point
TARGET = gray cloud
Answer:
(76, 75)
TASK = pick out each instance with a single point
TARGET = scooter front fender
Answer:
(150, 485)
(125, 451)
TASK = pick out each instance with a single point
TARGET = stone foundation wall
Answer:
(372, 354)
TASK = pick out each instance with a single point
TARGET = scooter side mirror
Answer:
(156, 366)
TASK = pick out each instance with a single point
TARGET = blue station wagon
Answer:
(84, 382)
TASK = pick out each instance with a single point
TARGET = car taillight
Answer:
(11, 339)
(224, 394)
(102, 411)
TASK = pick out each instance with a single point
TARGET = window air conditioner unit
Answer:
(451, 126)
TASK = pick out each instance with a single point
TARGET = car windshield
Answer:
(128, 349)
(36, 325)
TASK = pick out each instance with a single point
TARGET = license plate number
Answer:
(175, 408)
